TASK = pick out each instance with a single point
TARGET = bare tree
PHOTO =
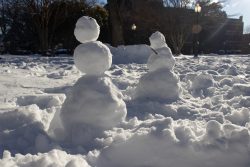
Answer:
(177, 28)
(115, 8)
(177, 3)
(47, 16)
(3, 17)
(41, 14)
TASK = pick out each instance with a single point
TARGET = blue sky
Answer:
(235, 9)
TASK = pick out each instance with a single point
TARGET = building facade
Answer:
(218, 34)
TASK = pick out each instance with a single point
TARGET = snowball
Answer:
(93, 102)
(92, 58)
(164, 59)
(157, 40)
(160, 85)
(86, 29)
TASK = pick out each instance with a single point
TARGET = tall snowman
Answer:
(160, 84)
(94, 103)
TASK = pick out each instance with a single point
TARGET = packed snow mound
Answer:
(157, 40)
(202, 81)
(22, 128)
(42, 101)
(238, 90)
(160, 85)
(55, 158)
(162, 142)
(161, 60)
(86, 29)
(92, 58)
(93, 102)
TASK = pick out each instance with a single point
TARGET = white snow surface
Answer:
(55, 158)
(86, 29)
(208, 125)
(92, 58)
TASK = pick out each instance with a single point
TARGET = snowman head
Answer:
(86, 29)
(157, 40)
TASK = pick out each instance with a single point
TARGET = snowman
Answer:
(94, 103)
(160, 83)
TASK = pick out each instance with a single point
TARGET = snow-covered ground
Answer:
(209, 125)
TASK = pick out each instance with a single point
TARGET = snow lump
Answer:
(162, 57)
(160, 83)
(86, 29)
(157, 40)
(92, 58)
(93, 105)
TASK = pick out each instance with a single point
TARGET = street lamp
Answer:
(197, 10)
(133, 27)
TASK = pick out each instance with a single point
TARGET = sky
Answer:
(235, 9)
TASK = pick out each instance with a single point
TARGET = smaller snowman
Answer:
(160, 83)
(94, 103)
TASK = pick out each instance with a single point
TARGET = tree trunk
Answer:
(116, 23)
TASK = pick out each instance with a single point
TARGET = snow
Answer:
(183, 112)
(211, 130)
(160, 83)
(55, 158)
(201, 83)
(92, 58)
(161, 60)
(157, 40)
(86, 29)
(95, 103)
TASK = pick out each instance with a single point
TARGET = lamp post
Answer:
(133, 27)
(197, 10)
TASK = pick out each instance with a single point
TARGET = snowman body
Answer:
(160, 84)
